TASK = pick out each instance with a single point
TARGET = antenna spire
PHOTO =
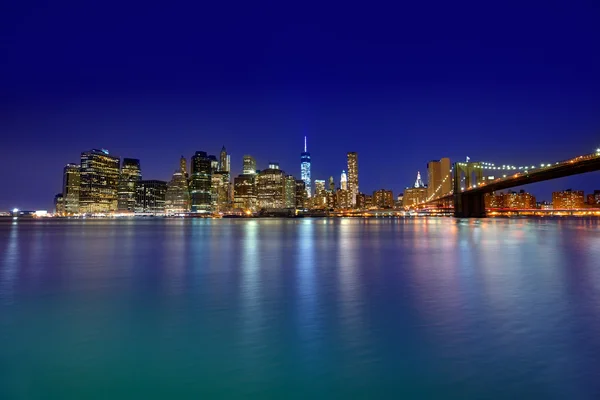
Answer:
(305, 144)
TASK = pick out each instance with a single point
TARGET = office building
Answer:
(270, 188)
(220, 191)
(244, 192)
(366, 201)
(342, 200)
(383, 199)
(320, 197)
(71, 187)
(439, 178)
(344, 181)
(151, 196)
(300, 194)
(399, 201)
(594, 198)
(416, 194)
(131, 174)
(249, 165)
(290, 192)
(99, 182)
(567, 199)
(353, 177)
(305, 164)
(177, 198)
(331, 200)
(59, 204)
(183, 167)
(224, 161)
(201, 182)
(331, 184)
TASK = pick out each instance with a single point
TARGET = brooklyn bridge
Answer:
(472, 180)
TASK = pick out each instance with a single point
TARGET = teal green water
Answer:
(305, 308)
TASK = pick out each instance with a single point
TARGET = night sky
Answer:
(401, 84)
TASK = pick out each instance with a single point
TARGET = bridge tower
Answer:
(466, 175)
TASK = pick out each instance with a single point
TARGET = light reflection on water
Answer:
(300, 308)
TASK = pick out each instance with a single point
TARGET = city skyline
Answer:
(401, 93)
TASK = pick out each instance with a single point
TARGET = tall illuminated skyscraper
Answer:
(99, 179)
(344, 181)
(224, 161)
(353, 177)
(183, 166)
(130, 175)
(201, 182)
(71, 185)
(305, 169)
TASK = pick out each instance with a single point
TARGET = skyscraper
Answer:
(290, 192)
(305, 169)
(344, 181)
(244, 192)
(353, 177)
(300, 194)
(99, 182)
(70, 193)
(224, 161)
(177, 198)
(183, 166)
(320, 197)
(249, 167)
(130, 175)
(151, 196)
(331, 184)
(270, 187)
(201, 181)
(418, 181)
(439, 179)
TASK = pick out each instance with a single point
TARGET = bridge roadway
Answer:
(471, 200)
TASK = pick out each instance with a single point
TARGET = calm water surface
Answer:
(311, 308)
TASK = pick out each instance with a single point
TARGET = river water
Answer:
(300, 308)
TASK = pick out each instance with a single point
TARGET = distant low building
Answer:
(568, 199)
(383, 198)
(593, 199)
(514, 200)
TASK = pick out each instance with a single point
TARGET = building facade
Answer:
(177, 197)
(131, 174)
(59, 205)
(270, 188)
(300, 195)
(290, 192)
(244, 192)
(220, 191)
(151, 196)
(353, 177)
(567, 199)
(99, 182)
(439, 178)
(71, 187)
(383, 198)
(320, 197)
(249, 165)
(344, 181)
(201, 182)
(413, 196)
(593, 199)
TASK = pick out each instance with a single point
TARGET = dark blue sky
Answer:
(508, 82)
